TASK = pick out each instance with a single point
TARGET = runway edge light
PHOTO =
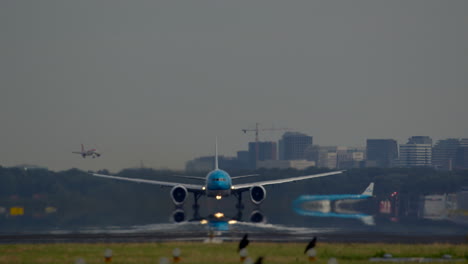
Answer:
(176, 255)
(312, 254)
(243, 253)
(108, 255)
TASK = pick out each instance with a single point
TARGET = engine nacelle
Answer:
(257, 217)
(257, 194)
(179, 194)
(178, 216)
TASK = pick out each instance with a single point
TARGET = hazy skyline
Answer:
(156, 81)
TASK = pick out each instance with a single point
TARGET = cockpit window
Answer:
(219, 179)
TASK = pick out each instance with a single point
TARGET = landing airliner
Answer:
(90, 152)
(218, 183)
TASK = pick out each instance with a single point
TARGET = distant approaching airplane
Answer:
(218, 184)
(90, 152)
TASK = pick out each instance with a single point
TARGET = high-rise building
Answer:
(349, 157)
(293, 145)
(462, 158)
(464, 142)
(285, 164)
(266, 151)
(444, 153)
(381, 153)
(461, 161)
(336, 157)
(328, 160)
(417, 152)
(326, 156)
(420, 140)
(312, 153)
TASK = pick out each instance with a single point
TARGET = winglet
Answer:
(216, 154)
(82, 148)
(369, 190)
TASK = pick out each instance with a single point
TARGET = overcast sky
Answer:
(157, 81)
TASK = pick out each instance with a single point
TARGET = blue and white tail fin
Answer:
(216, 154)
(369, 190)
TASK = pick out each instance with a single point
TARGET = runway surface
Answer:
(149, 237)
(199, 236)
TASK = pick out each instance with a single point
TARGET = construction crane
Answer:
(257, 130)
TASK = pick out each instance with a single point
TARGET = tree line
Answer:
(82, 198)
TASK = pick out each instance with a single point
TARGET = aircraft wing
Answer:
(76, 152)
(190, 187)
(189, 177)
(244, 176)
(244, 186)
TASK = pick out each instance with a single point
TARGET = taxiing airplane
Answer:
(331, 205)
(90, 152)
(218, 183)
(368, 193)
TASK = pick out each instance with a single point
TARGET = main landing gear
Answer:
(239, 204)
(195, 205)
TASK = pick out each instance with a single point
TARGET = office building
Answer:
(266, 151)
(461, 161)
(348, 158)
(416, 153)
(444, 153)
(334, 157)
(293, 145)
(420, 140)
(323, 156)
(381, 153)
(328, 160)
(464, 142)
(312, 153)
(286, 164)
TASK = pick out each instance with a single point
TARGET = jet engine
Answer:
(257, 194)
(257, 217)
(178, 216)
(179, 194)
